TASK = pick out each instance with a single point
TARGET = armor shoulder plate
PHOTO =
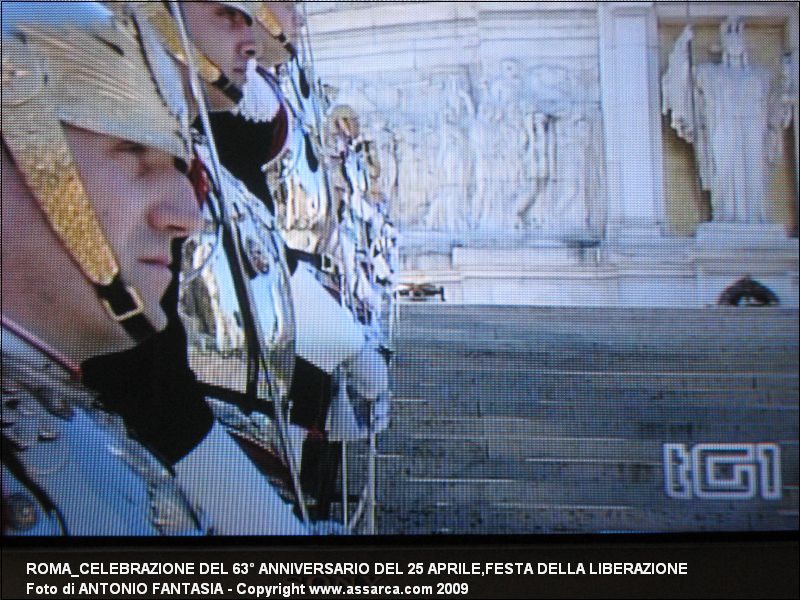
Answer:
(70, 468)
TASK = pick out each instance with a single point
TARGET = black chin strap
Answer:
(227, 87)
(125, 306)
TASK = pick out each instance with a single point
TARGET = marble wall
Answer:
(526, 158)
(487, 116)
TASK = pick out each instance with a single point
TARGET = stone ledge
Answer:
(770, 237)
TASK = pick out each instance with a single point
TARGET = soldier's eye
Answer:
(128, 147)
(231, 15)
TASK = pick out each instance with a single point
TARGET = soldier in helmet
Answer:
(228, 37)
(95, 152)
(249, 137)
(153, 386)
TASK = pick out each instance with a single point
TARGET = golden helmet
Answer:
(274, 23)
(279, 20)
(74, 63)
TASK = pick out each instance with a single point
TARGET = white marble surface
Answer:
(521, 148)
(453, 92)
(733, 112)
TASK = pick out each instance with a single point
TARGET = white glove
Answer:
(238, 499)
(368, 373)
(367, 379)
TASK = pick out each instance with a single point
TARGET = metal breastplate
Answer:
(304, 205)
(70, 468)
(211, 310)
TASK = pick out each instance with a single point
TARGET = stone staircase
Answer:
(544, 420)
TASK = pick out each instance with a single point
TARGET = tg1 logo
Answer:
(722, 471)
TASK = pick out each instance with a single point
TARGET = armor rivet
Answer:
(20, 511)
(48, 435)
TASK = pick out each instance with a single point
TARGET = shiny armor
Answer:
(69, 468)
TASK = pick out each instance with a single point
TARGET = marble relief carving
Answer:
(511, 148)
(564, 156)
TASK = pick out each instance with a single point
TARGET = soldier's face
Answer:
(227, 37)
(143, 202)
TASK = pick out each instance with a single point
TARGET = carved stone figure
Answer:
(541, 162)
(452, 162)
(447, 211)
(731, 113)
(480, 135)
(564, 171)
(576, 174)
(501, 143)
(455, 159)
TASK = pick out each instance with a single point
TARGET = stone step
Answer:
(571, 462)
(527, 420)
(613, 320)
(576, 336)
(596, 344)
(488, 392)
(591, 346)
(470, 446)
(586, 363)
(555, 455)
(484, 492)
(488, 491)
(570, 467)
(775, 360)
(689, 424)
(591, 312)
(564, 388)
(528, 518)
(454, 402)
(533, 330)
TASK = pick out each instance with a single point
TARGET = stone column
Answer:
(628, 50)
(794, 35)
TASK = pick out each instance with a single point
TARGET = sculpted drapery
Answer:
(733, 113)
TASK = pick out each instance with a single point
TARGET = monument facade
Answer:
(578, 153)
